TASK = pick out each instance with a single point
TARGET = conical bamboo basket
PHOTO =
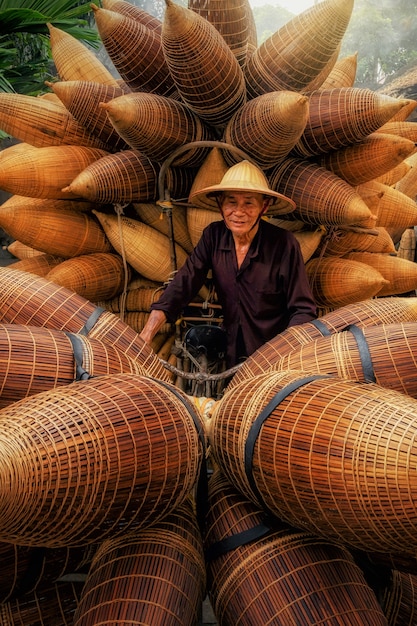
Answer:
(408, 130)
(393, 176)
(133, 11)
(403, 114)
(44, 172)
(82, 98)
(373, 156)
(74, 61)
(22, 251)
(321, 197)
(152, 215)
(392, 208)
(343, 73)
(341, 242)
(134, 300)
(197, 220)
(319, 79)
(136, 52)
(130, 450)
(145, 249)
(40, 264)
(95, 276)
(45, 226)
(203, 67)
(407, 247)
(295, 54)
(210, 173)
(28, 299)
(155, 576)
(337, 282)
(408, 184)
(331, 456)
(309, 241)
(342, 116)
(35, 359)
(283, 575)
(267, 127)
(400, 274)
(363, 314)
(42, 123)
(156, 126)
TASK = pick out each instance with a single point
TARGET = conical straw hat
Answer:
(246, 177)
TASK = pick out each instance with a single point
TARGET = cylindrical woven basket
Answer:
(127, 452)
(45, 226)
(335, 457)
(203, 67)
(40, 264)
(296, 53)
(321, 197)
(282, 576)
(399, 599)
(400, 274)
(363, 314)
(392, 208)
(152, 215)
(32, 300)
(155, 576)
(136, 52)
(133, 300)
(267, 127)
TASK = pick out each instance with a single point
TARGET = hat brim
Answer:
(281, 205)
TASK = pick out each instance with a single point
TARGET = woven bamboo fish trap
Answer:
(393, 176)
(133, 300)
(384, 354)
(56, 605)
(31, 300)
(400, 274)
(203, 67)
(45, 226)
(137, 321)
(373, 156)
(35, 359)
(338, 281)
(295, 54)
(342, 116)
(408, 130)
(74, 61)
(145, 249)
(318, 80)
(343, 241)
(152, 215)
(118, 178)
(398, 599)
(43, 172)
(210, 173)
(407, 247)
(197, 220)
(392, 208)
(133, 11)
(155, 576)
(130, 450)
(22, 251)
(321, 197)
(95, 276)
(42, 123)
(363, 314)
(267, 127)
(136, 52)
(343, 74)
(40, 264)
(282, 575)
(309, 241)
(156, 126)
(232, 19)
(331, 456)
(52, 564)
(404, 114)
(82, 99)
(408, 184)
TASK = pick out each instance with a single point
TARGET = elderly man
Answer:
(257, 268)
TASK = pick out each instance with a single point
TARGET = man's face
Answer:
(241, 210)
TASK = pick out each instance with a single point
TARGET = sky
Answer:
(295, 6)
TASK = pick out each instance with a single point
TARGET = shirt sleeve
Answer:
(300, 301)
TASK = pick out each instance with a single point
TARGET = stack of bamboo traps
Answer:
(309, 516)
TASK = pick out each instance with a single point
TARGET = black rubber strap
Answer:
(77, 348)
(321, 327)
(262, 417)
(364, 353)
(236, 541)
(92, 320)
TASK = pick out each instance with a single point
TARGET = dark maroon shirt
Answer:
(268, 293)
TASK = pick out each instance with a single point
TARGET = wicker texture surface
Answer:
(284, 577)
(295, 54)
(210, 173)
(321, 197)
(155, 576)
(82, 98)
(373, 156)
(407, 245)
(309, 241)
(134, 300)
(408, 130)
(392, 207)
(341, 116)
(136, 52)
(197, 220)
(343, 73)
(267, 127)
(399, 599)
(408, 184)
(203, 67)
(40, 264)
(342, 241)
(42, 123)
(334, 456)
(152, 215)
(400, 274)
(146, 249)
(45, 226)
(319, 79)
(22, 251)
(28, 299)
(156, 126)
(395, 174)
(136, 13)
(126, 453)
